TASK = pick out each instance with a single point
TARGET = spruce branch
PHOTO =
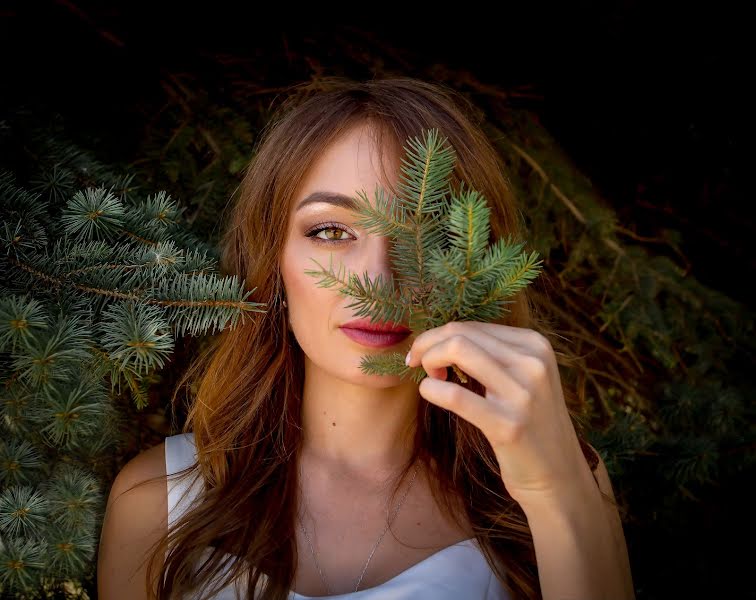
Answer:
(445, 268)
(22, 563)
(18, 462)
(113, 249)
(19, 317)
(74, 497)
(93, 214)
(23, 511)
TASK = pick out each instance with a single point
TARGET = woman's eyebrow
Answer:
(335, 198)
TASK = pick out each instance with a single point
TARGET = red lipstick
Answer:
(382, 326)
(380, 334)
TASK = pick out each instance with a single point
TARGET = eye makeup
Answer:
(316, 229)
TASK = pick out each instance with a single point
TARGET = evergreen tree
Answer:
(97, 282)
(665, 360)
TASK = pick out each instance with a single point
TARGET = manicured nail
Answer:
(407, 359)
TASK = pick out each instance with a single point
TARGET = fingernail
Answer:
(407, 358)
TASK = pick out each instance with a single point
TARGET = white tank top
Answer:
(457, 571)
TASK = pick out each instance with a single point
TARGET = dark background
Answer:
(649, 99)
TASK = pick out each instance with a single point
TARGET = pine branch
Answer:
(446, 271)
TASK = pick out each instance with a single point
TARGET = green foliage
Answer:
(439, 243)
(666, 362)
(206, 149)
(98, 283)
(667, 367)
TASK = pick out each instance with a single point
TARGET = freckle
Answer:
(418, 522)
(334, 424)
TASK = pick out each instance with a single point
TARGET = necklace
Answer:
(396, 512)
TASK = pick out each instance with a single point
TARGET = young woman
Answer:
(312, 479)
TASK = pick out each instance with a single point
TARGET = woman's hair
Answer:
(246, 409)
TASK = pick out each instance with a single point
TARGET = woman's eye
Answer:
(332, 227)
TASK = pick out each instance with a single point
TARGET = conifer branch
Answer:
(446, 271)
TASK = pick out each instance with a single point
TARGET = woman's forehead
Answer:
(350, 164)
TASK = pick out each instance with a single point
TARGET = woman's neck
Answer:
(357, 429)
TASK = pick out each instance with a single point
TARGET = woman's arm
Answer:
(580, 546)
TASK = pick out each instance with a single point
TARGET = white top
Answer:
(457, 571)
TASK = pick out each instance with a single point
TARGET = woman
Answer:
(301, 463)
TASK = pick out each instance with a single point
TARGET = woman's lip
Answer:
(375, 339)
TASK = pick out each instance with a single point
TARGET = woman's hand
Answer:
(523, 414)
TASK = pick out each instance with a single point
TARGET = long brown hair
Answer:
(245, 413)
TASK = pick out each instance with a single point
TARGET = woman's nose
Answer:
(381, 262)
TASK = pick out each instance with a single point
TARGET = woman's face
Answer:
(318, 229)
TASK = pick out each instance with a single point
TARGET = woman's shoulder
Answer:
(145, 475)
(146, 466)
(147, 470)
(142, 480)
(135, 517)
